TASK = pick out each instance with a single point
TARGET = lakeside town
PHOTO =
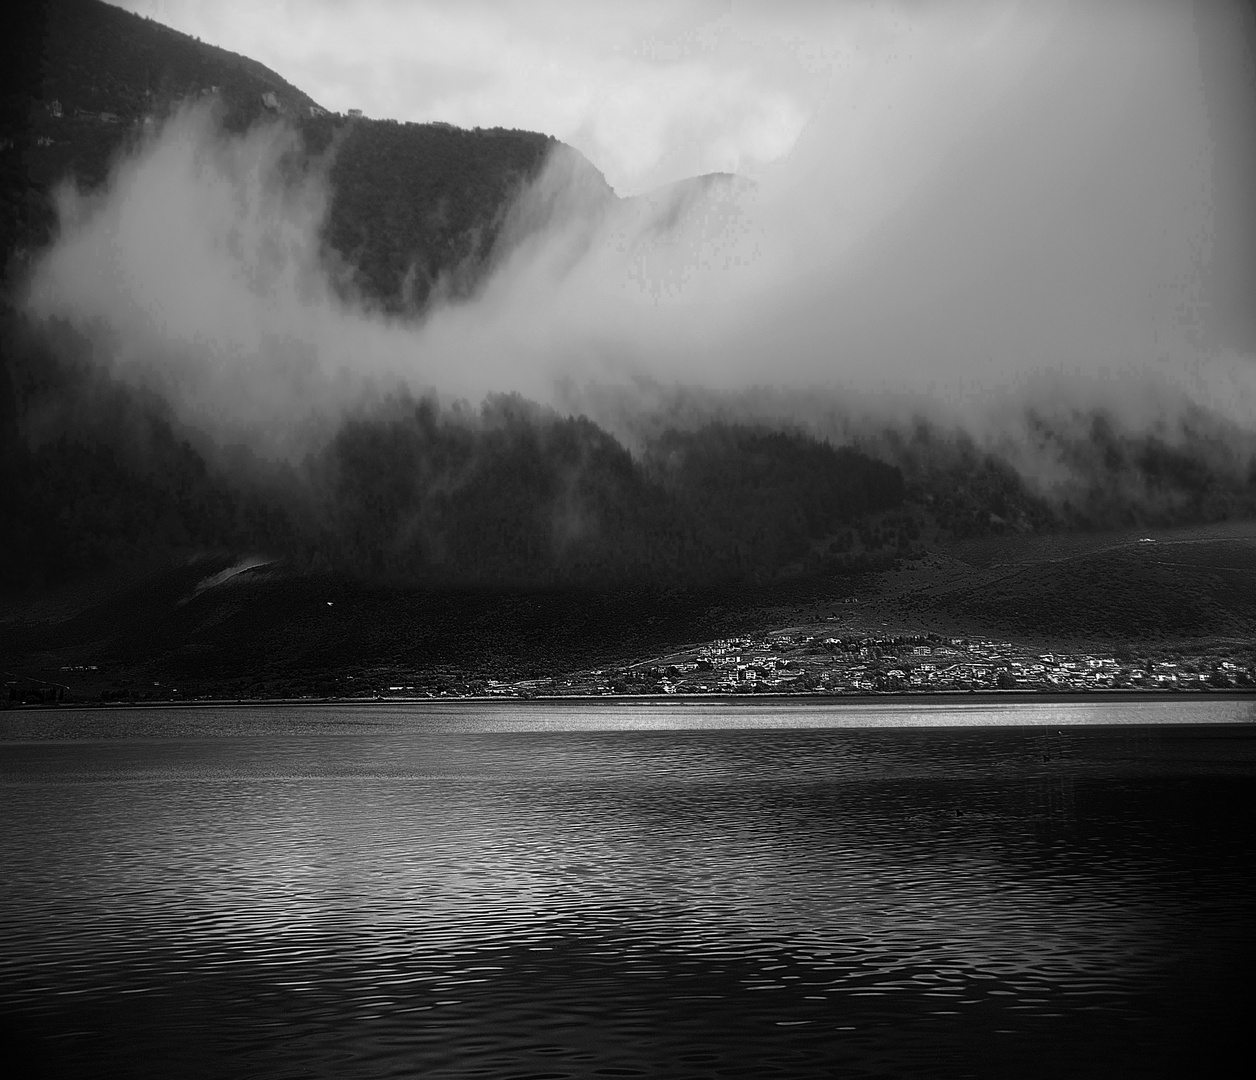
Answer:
(800, 662)
(795, 662)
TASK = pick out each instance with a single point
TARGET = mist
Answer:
(998, 221)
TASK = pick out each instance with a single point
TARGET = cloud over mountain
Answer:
(1038, 220)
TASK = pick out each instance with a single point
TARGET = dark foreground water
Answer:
(601, 891)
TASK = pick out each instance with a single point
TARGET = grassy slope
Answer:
(1193, 584)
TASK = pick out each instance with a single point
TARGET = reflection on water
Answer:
(537, 891)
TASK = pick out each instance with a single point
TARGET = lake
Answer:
(530, 890)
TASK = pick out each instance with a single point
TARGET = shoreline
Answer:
(943, 697)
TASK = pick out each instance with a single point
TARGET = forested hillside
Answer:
(519, 494)
(96, 474)
(417, 205)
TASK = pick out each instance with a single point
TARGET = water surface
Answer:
(663, 889)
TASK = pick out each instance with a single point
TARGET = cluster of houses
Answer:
(816, 663)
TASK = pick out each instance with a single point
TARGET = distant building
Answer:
(316, 111)
(54, 108)
(270, 101)
(355, 113)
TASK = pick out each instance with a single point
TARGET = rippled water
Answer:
(634, 890)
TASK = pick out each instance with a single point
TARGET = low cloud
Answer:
(1037, 228)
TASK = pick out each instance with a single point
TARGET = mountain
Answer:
(82, 77)
(520, 496)
(411, 201)
(523, 539)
